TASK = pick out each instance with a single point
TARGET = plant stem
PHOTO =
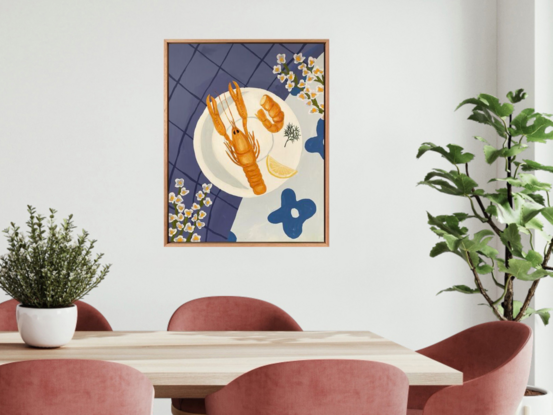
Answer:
(488, 217)
(509, 279)
(534, 286)
(482, 290)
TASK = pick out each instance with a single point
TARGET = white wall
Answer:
(81, 130)
(544, 103)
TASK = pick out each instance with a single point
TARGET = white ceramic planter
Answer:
(46, 327)
(536, 405)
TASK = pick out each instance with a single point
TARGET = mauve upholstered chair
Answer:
(73, 387)
(225, 314)
(495, 360)
(314, 387)
(88, 318)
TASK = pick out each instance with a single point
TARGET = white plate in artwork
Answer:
(211, 152)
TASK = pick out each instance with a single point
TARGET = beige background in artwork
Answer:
(81, 130)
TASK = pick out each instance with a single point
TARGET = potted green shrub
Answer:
(47, 270)
(511, 215)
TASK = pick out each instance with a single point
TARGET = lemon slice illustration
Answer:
(279, 170)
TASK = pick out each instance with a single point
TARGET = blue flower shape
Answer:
(317, 144)
(292, 221)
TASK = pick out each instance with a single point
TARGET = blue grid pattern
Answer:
(196, 70)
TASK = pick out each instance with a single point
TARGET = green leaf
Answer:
(456, 184)
(534, 258)
(531, 165)
(547, 213)
(516, 96)
(519, 268)
(491, 154)
(464, 183)
(527, 181)
(438, 249)
(455, 154)
(511, 238)
(484, 269)
(448, 224)
(482, 139)
(461, 289)
(493, 104)
(544, 315)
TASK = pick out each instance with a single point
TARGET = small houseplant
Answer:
(511, 215)
(47, 270)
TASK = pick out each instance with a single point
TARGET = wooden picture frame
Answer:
(167, 225)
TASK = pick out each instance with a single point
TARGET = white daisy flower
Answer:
(302, 66)
(207, 187)
(172, 218)
(305, 72)
(291, 76)
(200, 224)
(314, 110)
(298, 58)
(178, 200)
(180, 207)
(194, 218)
(289, 85)
(302, 84)
(317, 71)
(310, 78)
(184, 191)
(302, 96)
(180, 217)
(180, 239)
(172, 197)
(189, 228)
(195, 206)
(277, 69)
(180, 226)
(202, 214)
(200, 195)
(281, 77)
(281, 58)
(311, 61)
(196, 238)
(188, 213)
(179, 182)
(207, 201)
(172, 231)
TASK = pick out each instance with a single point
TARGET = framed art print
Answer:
(246, 143)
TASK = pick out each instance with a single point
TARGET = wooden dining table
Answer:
(195, 364)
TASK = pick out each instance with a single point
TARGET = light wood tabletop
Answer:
(195, 364)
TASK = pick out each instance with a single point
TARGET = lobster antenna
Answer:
(234, 122)
(224, 110)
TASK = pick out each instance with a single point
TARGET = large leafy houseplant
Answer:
(48, 268)
(511, 215)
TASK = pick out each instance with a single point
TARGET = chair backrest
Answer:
(482, 348)
(231, 314)
(70, 387)
(88, 318)
(314, 387)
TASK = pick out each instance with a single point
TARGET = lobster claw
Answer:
(236, 95)
(214, 112)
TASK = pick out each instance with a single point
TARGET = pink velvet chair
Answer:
(495, 360)
(89, 319)
(72, 387)
(225, 314)
(314, 387)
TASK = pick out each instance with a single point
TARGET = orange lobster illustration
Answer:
(243, 148)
